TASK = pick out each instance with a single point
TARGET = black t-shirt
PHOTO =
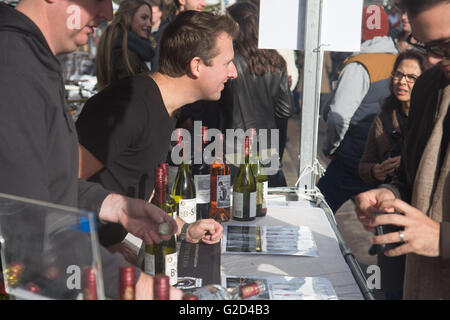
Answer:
(127, 128)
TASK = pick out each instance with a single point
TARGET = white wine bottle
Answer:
(262, 182)
(162, 258)
(244, 191)
(217, 292)
(183, 192)
(202, 179)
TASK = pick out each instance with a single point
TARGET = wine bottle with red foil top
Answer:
(127, 283)
(262, 182)
(169, 200)
(217, 292)
(244, 191)
(184, 192)
(220, 186)
(162, 258)
(89, 284)
(161, 287)
(201, 174)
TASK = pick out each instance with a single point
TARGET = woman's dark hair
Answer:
(259, 61)
(391, 102)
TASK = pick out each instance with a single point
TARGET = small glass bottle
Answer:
(217, 292)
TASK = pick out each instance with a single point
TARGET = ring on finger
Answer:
(401, 235)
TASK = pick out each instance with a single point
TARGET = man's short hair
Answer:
(414, 7)
(192, 34)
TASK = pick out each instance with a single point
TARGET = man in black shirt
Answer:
(124, 130)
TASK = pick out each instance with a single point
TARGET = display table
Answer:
(330, 264)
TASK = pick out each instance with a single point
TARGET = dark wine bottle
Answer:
(262, 182)
(162, 258)
(201, 173)
(244, 190)
(89, 284)
(161, 287)
(220, 187)
(127, 283)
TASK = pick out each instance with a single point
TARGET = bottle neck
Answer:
(160, 191)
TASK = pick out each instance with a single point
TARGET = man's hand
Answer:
(138, 217)
(421, 234)
(367, 203)
(144, 289)
(207, 230)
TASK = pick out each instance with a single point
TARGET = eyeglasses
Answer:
(410, 78)
(441, 49)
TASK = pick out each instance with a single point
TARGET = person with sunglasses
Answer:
(381, 155)
(420, 191)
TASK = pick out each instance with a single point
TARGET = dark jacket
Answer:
(39, 145)
(253, 101)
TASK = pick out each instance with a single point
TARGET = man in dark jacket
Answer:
(38, 152)
(423, 179)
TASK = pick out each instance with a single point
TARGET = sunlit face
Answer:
(404, 77)
(76, 20)
(433, 27)
(196, 5)
(142, 22)
(406, 26)
(212, 78)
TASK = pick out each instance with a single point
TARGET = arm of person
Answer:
(88, 164)
(370, 157)
(208, 231)
(353, 85)
(283, 107)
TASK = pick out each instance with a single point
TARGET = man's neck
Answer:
(175, 92)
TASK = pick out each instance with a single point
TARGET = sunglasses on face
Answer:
(441, 49)
(410, 78)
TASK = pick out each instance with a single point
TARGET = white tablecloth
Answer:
(330, 264)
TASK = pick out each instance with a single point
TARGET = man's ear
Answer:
(195, 66)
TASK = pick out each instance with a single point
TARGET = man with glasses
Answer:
(422, 182)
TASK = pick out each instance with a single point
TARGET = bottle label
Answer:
(262, 192)
(223, 191)
(238, 205)
(171, 268)
(149, 264)
(202, 185)
(187, 210)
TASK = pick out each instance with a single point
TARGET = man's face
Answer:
(75, 20)
(212, 78)
(156, 15)
(433, 27)
(196, 5)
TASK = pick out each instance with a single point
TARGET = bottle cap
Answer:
(161, 287)
(127, 274)
(252, 289)
(90, 284)
(32, 287)
(205, 134)
(190, 296)
(127, 278)
(164, 229)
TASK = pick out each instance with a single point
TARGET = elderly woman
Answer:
(383, 148)
(126, 47)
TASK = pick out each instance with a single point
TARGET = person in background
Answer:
(39, 154)
(362, 86)
(125, 129)
(381, 155)
(420, 191)
(261, 92)
(125, 48)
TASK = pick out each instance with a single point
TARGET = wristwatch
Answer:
(182, 236)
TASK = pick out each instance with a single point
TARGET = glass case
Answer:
(47, 250)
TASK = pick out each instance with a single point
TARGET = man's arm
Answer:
(353, 85)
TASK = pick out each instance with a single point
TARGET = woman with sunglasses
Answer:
(383, 147)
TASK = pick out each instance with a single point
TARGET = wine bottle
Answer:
(89, 284)
(170, 201)
(162, 257)
(217, 292)
(183, 192)
(244, 191)
(262, 182)
(127, 283)
(202, 179)
(161, 287)
(220, 187)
